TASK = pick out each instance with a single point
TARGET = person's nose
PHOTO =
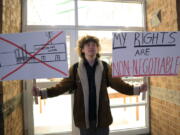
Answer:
(91, 45)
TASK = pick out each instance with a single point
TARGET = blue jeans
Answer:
(93, 130)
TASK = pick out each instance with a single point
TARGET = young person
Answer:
(89, 82)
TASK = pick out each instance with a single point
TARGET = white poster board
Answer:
(146, 54)
(32, 55)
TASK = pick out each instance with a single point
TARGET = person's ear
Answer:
(98, 49)
(82, 50)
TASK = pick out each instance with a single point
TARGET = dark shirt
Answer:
(92, 89)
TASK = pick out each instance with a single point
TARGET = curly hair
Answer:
(84, 40)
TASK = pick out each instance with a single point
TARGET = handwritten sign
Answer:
(32, 55)
(146, 53)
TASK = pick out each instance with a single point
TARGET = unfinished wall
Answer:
(162, 15)
(178, 13)
(1, 8)
(11, 111)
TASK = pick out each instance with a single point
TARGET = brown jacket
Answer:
(80, 109)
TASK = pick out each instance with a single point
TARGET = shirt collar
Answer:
(87, 63)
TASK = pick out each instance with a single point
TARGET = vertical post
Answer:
(144, 93)
(28, 107)
(1, 109)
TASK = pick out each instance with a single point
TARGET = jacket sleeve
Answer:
(65, 85)
(118, 84)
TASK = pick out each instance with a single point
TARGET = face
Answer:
(90, 49)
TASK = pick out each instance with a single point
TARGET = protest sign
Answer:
(32, 55)
(146, 54)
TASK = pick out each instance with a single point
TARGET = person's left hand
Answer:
(143, 87)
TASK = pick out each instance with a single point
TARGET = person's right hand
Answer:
(35, 91)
